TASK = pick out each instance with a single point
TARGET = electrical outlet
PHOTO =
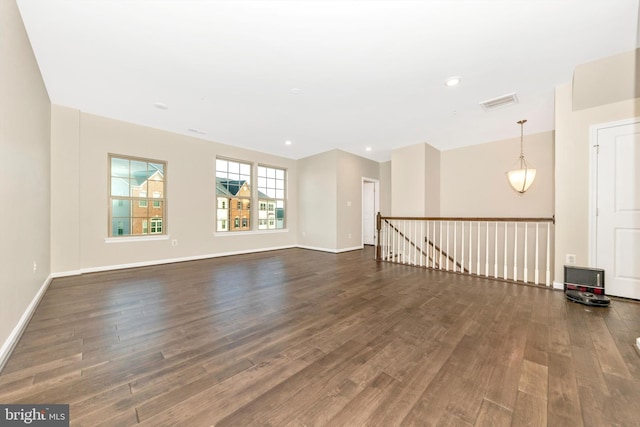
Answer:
(35, 266)
(349, 235)
(570, 259)
(174, 242)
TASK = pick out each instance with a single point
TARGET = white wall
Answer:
(24, 175)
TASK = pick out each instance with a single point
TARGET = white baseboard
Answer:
(558, 285)
(638, 344)
(14, 337)
(333, 251)
(165, 261)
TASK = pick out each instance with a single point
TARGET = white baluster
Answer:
(470, 247)
(428, 251)
(440, 251)
(462, 251)
(478, 253)
(421, 246)
(548, 275)
(486, 251)
(405, 252)
(504, 257)
(495, 252)
(526, 270)
(515, 252)
(455, 245)
(536, 275)
(447, 253)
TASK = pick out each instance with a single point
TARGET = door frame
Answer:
(593, 182)
(376, 207)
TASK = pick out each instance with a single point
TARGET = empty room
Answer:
(310, 213)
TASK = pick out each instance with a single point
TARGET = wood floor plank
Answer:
(530, 411)
(297, 337)
(534, 379)
(563, 398)
(493, 415)
(611, 361)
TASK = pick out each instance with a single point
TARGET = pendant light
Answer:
(522, 177)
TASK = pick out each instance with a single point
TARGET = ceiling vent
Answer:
(499, 102)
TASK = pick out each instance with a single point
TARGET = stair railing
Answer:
(512, 249)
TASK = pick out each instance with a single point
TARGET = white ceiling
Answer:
(346, 74)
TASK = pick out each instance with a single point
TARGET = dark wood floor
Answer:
(304, 338)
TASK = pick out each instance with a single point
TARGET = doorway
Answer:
(370, 208)
(615, 203)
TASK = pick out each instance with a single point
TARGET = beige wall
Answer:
(474, 182)
(385, 188)
(65, 189)
(190, 193)
(432, 176)
(330, 199)
(606, 81)
(317, 202)
(573, 147)
(415, 181)
(24, 173)
(350, 171)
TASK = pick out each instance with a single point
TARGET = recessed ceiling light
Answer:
(161, 106)
(287, 142)
(368, 149)
(453, 81)
(295, 90)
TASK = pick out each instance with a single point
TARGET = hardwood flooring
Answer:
(303, 338)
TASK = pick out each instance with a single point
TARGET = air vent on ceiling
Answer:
(499, 102)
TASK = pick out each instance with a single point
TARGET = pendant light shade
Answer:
(522, 177)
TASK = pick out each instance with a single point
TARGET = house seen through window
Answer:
(233, 195)
(271, 191)
(131, 181)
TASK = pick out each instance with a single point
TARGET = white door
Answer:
(618, 207)
(369, 212)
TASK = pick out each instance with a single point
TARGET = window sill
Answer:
(135, 239)
(252, 232)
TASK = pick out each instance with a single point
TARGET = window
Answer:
(131, 180)
(271, 191)
(156, 225)
(233, 194)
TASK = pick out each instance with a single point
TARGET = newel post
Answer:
(378, 227)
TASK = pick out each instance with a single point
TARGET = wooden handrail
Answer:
(477, 219)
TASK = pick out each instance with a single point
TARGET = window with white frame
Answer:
(131, 180)
(233, 194)
(271, 194)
